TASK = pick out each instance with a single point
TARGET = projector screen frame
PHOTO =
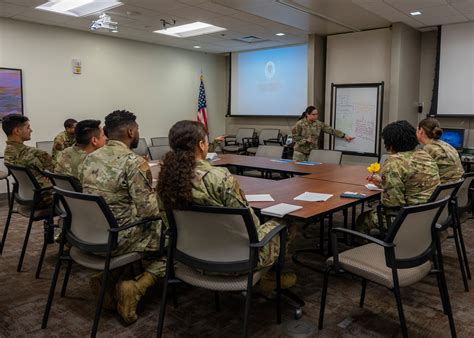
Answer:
(229, 101)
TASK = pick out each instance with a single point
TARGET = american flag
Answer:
(201, 113)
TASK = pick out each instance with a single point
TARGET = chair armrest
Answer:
(249, 142)
(131, 225)
(44, 189)
(273, 141)
(364, 236)
(268, 237)
(230, 139)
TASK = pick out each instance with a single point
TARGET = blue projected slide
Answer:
(270, 81)
(454, 137)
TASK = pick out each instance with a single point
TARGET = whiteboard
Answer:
(356, 113)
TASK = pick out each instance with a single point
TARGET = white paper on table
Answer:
(211, 156)
(371, 186)
(152, 164)
(280, 210)
(259, 198)
(313, 197)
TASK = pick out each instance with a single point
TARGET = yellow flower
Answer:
(374, 168)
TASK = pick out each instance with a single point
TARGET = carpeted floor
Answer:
(23, 298)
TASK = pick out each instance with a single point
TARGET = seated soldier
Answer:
(17, 128)
(64, 139)
(89, 137)
(408, 176)
(446, 157)
(186, 178)
(124, 179)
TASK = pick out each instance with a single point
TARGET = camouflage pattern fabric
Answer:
(68, 161)
(213, 186)
(299, 157)
(124, 179)
(448, 161)
(34, 159)
(213, 146)
(408, 178)
(61, 142)
(306, 134)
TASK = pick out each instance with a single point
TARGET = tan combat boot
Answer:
(95, 283)
(128, 294)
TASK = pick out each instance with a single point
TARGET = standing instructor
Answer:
(306, 133)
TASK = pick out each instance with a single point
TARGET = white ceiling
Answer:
(262, 18)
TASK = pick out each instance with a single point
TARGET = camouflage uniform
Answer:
(408, 178)
(306, 135)
(61, 142)
(124, 179)
(68, 161)
(213, 186)
(448, 161)
(36, 160)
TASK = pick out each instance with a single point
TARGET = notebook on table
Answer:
(280, 210)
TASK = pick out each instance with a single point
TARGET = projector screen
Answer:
(269, 82)
(456, 70)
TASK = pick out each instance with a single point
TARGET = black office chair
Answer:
(92, 231)
(403, 258)
(218, 240)
(27, 193)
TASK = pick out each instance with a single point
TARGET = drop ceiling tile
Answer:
(464, 6)
(8, 10)
(157, 5)
(410, 5)
(194, 13)
(435, 21)
(28, 3)
(216, 8)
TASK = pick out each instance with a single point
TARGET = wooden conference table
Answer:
(321, 178)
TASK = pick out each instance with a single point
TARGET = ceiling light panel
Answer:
(191, 29)
(78, 7)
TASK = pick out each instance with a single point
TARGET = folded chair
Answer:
(92, 231)
(401, 259)
(27, 194)
(223, 242)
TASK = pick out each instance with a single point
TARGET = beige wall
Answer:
(404, 74)
(159, 84)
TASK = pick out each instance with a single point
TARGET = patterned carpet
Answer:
(23, 298)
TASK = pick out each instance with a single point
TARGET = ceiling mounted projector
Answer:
(104, 22)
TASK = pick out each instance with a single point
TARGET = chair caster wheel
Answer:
(298, 313)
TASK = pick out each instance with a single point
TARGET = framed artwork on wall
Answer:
(11, 92)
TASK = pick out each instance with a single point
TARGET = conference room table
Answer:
(324, 178)
(341, 173)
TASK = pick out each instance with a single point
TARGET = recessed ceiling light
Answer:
(190, 29)
(197, 47)
(78, 7)
(280, 34)
(415, 13)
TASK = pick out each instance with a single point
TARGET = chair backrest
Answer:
(269, 151)
(268, 134)
(325, 156)
(25, 181)
(244, 133)
(46, 146)
(383, 158)
(88, 221)
(445, 190)
(160, 141)
(142, 148)
(463, 192)
(414, 234)
(158, 152)
(65, 182)
(212, 238)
